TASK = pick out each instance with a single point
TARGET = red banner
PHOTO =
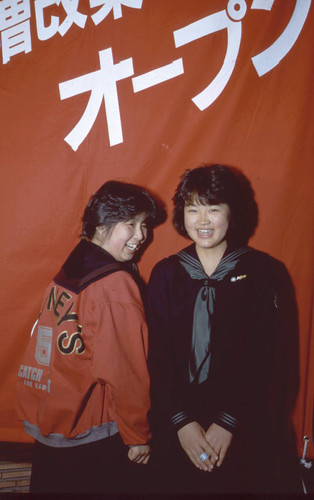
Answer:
(141, 90)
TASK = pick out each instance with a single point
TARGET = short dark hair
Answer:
(213, 184)
(117, 202)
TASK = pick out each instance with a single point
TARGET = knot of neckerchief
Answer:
(199, 361)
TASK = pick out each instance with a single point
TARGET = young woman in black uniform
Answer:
(223, 348)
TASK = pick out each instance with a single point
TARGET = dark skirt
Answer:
(249, 468)
(98, 467)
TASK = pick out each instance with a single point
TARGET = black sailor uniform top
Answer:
(253, 375)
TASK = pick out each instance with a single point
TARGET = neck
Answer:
(210, 257)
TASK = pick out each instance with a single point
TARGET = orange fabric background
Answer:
(263, 125)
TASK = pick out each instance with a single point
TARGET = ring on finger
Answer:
(204, 456)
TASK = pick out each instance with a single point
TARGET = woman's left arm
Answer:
(120, 356)
(260, 363)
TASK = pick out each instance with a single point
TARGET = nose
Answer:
(204, 216)
(140, 233)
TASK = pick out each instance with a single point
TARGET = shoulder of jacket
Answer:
(117, 287)
(120, 277)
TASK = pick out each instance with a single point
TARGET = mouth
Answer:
(205, 232)
(132, 246)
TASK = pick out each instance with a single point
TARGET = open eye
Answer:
(213, 209)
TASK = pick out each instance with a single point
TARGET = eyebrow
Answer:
(193, 204)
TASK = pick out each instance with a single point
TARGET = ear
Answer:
(99, 234)
(101, 229)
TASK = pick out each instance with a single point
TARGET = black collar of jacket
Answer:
(86, 264)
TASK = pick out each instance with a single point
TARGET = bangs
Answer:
(203, 197)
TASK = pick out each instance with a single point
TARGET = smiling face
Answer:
(207, 225)
(124, 239)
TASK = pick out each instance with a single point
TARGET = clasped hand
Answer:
(214, 442)
(139, 454)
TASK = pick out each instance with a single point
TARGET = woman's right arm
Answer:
(166, 399)
(160, 357)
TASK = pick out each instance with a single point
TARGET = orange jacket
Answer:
(84, 375)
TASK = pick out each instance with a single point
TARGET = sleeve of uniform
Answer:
(262, 366)
(119, 352)
(285, 375)
(168, 407)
